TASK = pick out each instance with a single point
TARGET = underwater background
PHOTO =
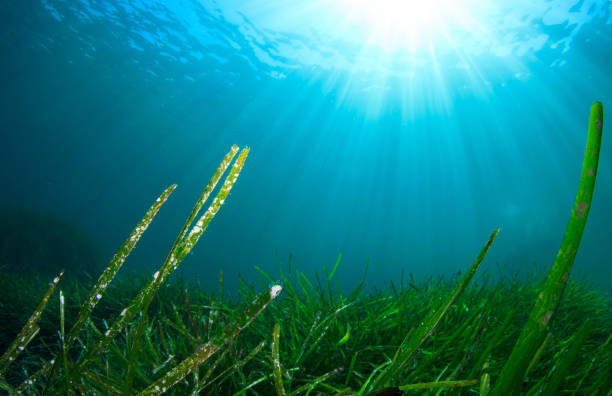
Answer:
(402, 136)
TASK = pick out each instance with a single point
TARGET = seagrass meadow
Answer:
(462, 334)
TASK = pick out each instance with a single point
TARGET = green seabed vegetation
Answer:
(443, 336)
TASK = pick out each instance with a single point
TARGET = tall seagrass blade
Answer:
(548, 300)
(179, 250)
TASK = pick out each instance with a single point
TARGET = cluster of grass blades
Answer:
(441, 336)
(72, 369)
(326, 345)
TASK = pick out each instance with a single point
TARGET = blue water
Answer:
(404, 145)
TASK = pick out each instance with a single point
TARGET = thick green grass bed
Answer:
(327, 342)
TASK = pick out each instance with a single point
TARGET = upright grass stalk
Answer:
(413, 341)
(277, 370)
(535, 330)
(63, 334)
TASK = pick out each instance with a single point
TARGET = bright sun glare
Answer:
(410, 24)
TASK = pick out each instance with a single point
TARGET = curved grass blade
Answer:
(315, 382)
(371, 378)
(242, 391)
(28, 332)
(331, 275)
(207, 350)
(406, 351)
(548, 300)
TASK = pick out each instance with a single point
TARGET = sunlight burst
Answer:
(411, 24)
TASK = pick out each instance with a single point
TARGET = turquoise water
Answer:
(402, 135)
